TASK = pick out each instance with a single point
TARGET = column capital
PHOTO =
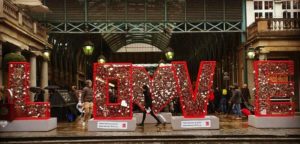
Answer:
(34, 53)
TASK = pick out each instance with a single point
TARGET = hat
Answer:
(88, 81)
(235, 85)
(145, 86)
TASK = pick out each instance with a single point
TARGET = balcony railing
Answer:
(272, 25)
(14, 15)
(283, 24)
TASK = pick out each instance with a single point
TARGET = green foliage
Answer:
(13, 57)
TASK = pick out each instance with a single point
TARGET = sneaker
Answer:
(141, 124)
(238, 118)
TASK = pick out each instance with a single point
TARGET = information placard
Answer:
(111, 125)
(196, 124)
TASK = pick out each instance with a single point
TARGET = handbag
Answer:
(148, 110)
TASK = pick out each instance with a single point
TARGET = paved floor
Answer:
(231, 130)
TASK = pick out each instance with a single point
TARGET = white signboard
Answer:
(112, 125)
(196, 124)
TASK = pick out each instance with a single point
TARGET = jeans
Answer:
(237, 109)
(223, 105)
(88, 110)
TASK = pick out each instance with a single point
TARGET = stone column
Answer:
(1, 68)
(32, 74)
(44, 78)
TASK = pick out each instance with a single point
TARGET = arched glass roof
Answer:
(139, 47)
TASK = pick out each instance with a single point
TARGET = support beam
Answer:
(65, 13)
(243, 40)
(165, 12)
(85, 11)
(147, 27)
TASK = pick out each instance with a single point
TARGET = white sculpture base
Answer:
(30, 125)
(208, 122)
(274, 121)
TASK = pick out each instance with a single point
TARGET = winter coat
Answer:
(148, 99)
(236, 97)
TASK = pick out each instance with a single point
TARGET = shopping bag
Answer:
(161, 118)
(246, 112)
(71, 117)
(80, 107)
(148, 110)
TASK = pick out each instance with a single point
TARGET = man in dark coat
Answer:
(148, 105)
(39, 96)
(229, 95)
(217, 99)
(245, 95)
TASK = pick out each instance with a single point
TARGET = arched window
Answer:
(139, 47)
